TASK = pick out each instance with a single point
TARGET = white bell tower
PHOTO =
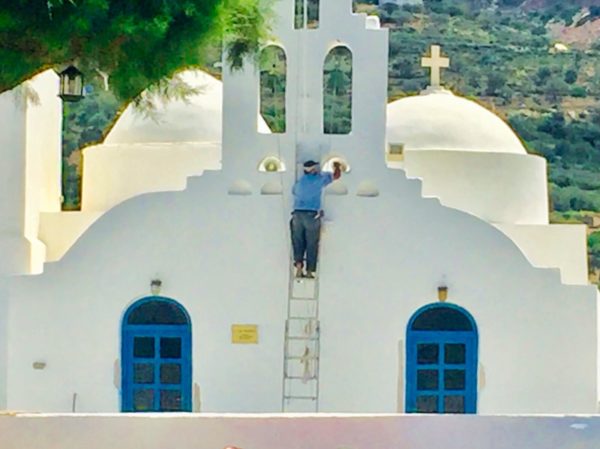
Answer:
(307, 43)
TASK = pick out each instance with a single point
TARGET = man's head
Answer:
(311, 167)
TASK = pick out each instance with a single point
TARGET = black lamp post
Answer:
(71, 84)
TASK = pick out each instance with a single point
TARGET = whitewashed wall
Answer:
(60, 230)
(318, 432)
(384, 257)
(31, 117)
(497, 187)
(3, 342)
(226, 259)
(223, 257)
(114, 173)
(554, 246)
(44, 130)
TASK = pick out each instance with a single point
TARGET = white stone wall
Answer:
(12, 141)
(3, 342)
(383, 258)
(115, 173)
(299, 432)
(60, 230)
(554, 246)
(30, 172)
(225, 262)
(225, 258)
(497, 187)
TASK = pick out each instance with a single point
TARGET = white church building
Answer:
(442, 287)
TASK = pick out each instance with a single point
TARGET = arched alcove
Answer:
(273, 83)
(337, 91)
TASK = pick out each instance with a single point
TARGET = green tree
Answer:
(542, 75)
(495, 83)
(555, 88)
(571, 76)
(135, 43)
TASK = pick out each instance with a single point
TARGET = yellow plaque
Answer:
(244, 333)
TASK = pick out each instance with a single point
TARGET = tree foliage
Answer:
(136, 43)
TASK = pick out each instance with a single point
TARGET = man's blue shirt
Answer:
(308, 189)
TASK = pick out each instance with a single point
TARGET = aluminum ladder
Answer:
(301, 347)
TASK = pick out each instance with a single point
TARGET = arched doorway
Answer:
(156, 369)
(441, 360)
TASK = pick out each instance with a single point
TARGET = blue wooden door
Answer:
(441, 361)
(156, 358)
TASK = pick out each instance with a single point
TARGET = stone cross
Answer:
(436, 62)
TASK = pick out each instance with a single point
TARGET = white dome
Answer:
(199, 119)
(439, 120)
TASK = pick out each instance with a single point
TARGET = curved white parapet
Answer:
(497, 187)
(19, 255)
(59, 231)
(114, 173)
(553, 246)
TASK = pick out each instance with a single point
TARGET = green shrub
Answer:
(578, 92)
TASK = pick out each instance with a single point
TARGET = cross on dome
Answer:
(436, 62)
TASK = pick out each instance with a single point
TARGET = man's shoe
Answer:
(299, 271)
(310, 275)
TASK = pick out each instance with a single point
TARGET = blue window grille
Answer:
(441, 361)
(156, 369)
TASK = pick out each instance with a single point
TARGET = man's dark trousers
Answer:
(306, 229)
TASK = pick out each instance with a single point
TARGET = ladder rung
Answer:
(313, 398)
(306, 290)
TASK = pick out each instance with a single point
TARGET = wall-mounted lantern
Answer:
(71, 84)
(271, 164)
(442, 293)
(155, 286)
(327, 164)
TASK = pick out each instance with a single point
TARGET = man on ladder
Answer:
(306, 218)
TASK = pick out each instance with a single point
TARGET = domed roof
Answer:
(198, 119)
(439, 120)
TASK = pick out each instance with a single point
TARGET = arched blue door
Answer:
(156, 369)
(441, 361)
